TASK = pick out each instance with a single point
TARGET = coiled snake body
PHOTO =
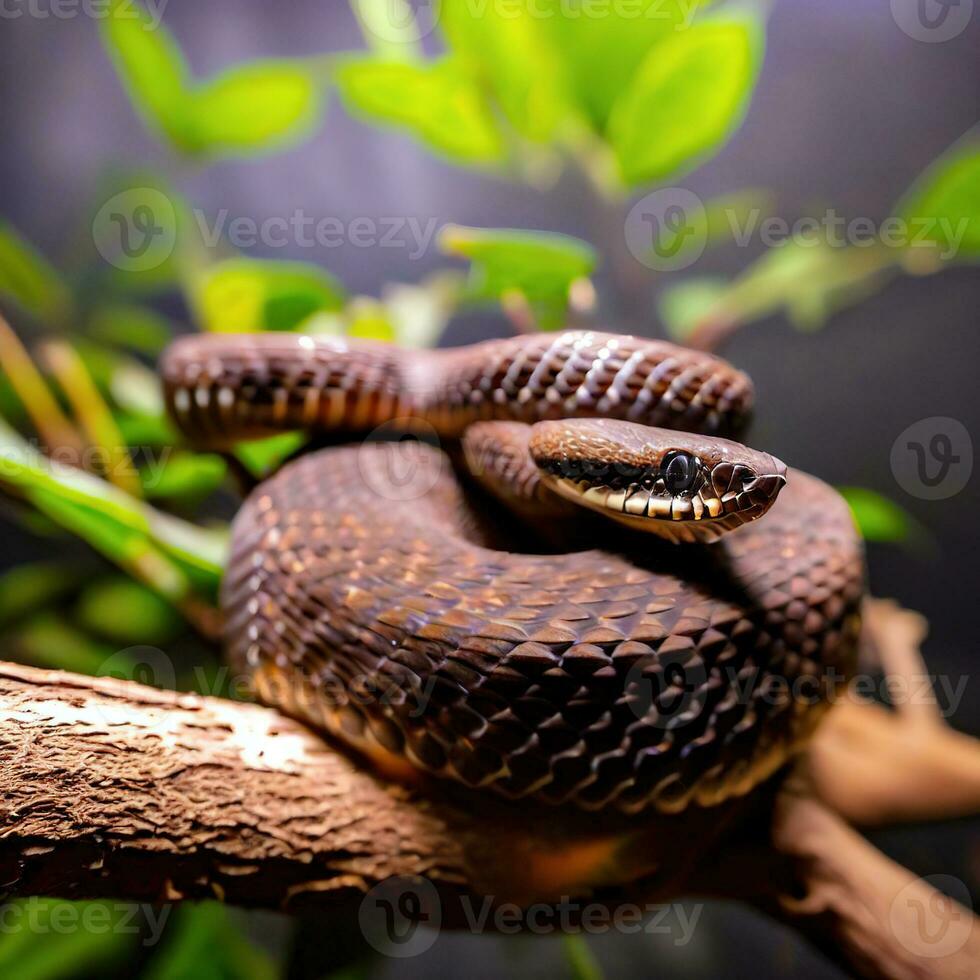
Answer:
(369, 593)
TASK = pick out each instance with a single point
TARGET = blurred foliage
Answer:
(629, 100)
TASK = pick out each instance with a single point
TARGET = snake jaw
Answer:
(683, 488)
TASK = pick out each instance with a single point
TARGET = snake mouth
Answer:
(685, 488)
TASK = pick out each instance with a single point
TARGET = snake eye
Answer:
(680, 472)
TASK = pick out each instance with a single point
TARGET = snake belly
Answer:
(367, 607)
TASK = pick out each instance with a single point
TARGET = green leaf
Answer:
(685, 100)
(151, 67)
(48, 640)
(264, 456)
(438, 102)
(254, 107)
(582, 962)
(602, 51)
(124, 612)
(163, 552)
(684, 305)
(245, 295)
(877, 517)
(24, 589)
(29, 279)
(206, 944)
(184, 477)
(540, 267)
(128, 325)
(944, 203)
(513, 55)
(35, 944)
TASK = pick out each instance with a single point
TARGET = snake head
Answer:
(681, 486)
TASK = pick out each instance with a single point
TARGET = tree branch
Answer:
(111, 788)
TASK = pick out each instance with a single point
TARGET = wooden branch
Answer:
(111, 788)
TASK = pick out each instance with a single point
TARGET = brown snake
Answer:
(373, 594)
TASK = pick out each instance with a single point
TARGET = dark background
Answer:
(848, 111)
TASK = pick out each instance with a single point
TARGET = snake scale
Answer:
(370, 594)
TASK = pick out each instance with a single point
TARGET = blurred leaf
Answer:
(127, 325)
(184, 477)
(539, 266)
(419, 313)
(367, 319)
(263, 456)
(512, 54)
(437, 101)
(685, 100)
(125, 612)
(683, 305)
(24, 589)
(244, 295)
(877, 517)
(582, 962)
(48, 640)
(151, 67)
(94, 950)
(29, 279)
(602, 49)
(135, 388)
(258, 106)
(248, 108)
(163, 552)
(205, 944)
(944, 203)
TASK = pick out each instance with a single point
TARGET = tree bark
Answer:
(114, 789)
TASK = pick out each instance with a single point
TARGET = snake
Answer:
(540, 567)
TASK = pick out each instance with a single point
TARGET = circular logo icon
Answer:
(400, 917)
(667, 229)
(667, 690)
(932, 21)
(136, 230)
(397, 463)
(933, 458)
(144, 665)
(399, 21)
(932, 923)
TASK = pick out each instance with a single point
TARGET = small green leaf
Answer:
(36, 945)
(49, 640)
(685, 100)
(245, 295)
(151, 67)
(183, 477)
(127, 325)
(29, 279)
(943, 206)
(124, 612)
(877, 517)
(206, 944)
(602, 51)
(438, 102)
(541, 267)
(684, 305)
(582, 962)
(264, 456)
(25, 589)
(258, 106)
(512, 54)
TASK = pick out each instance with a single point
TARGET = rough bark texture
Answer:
(114, 789)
